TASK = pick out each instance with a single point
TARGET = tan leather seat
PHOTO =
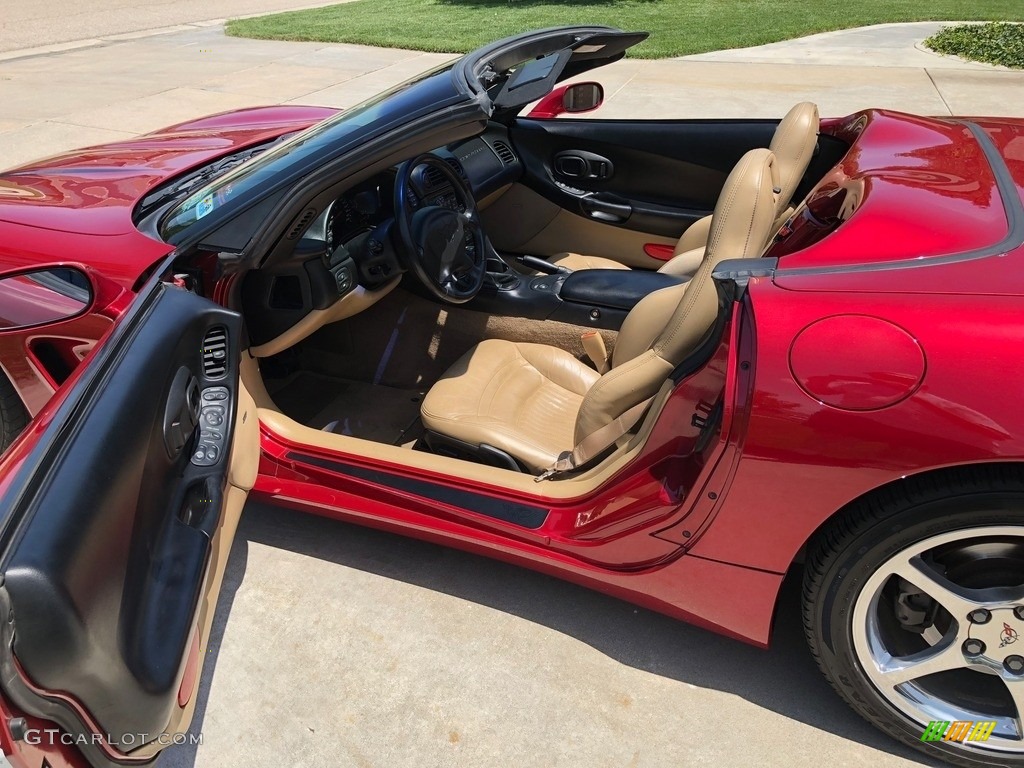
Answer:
(534, 401)
(793, 144)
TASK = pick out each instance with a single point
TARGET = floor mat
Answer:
(354, 408)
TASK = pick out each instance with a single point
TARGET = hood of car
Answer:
(93, 191)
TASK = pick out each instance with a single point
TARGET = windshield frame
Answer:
(456, 90)
(322, 141)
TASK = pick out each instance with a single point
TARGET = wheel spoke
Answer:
(1016, 690)
(960, 592)
(958, 600)
(947, 655)
(416, 182)
(463, 260)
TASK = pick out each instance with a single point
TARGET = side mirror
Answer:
(583, 97)
(42, 297)
(572, 99)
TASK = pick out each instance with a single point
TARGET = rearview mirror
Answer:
(42, 297)
(573, 99)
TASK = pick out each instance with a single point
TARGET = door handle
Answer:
(181, 412)
(578, 164)
(606, 210)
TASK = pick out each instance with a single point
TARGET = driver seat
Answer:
(793, 143)
(534, 401)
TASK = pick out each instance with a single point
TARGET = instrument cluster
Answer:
(447, 200)
(357, 211)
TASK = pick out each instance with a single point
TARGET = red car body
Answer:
(76, 209)
(837, 383)
(785, 462)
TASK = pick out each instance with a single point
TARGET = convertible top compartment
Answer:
(903, 191)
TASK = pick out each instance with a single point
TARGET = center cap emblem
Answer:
(1007, 636)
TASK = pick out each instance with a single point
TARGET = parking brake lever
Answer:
(541, 265)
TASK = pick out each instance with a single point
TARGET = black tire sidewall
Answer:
(845, 577)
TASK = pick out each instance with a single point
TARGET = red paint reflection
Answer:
(36, 298)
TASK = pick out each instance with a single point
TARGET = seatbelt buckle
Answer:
(593, 345)
(547, 474)
(564, 462)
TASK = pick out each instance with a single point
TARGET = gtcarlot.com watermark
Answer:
(124, 741)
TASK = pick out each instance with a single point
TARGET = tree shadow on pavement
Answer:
(783, 679)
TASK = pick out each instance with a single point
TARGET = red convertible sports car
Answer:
(668, 360)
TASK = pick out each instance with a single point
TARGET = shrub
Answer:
(996, 43)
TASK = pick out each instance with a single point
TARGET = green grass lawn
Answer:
(678, 27)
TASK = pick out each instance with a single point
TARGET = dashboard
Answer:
(485, 162)
(351, 243)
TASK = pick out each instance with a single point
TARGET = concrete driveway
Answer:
(336, 645)
(38, 23)
(341, 646)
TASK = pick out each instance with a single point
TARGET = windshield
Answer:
(332, 132)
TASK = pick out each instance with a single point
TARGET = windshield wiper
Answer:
(182, 186)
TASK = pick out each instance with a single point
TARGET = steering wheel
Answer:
(444, 248)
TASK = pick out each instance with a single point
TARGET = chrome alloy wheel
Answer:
(938, 630)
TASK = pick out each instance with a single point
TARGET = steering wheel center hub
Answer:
(441, 232)
(444, 244)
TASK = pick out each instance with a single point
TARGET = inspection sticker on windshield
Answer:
(204, 206)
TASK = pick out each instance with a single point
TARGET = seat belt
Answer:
(597, 442)
(593, 345)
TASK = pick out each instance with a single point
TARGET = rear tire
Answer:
(13, 416)
(893, 596)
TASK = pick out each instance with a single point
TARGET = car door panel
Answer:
(524, 221)
(118, 541)
(243, 466)
(677, 163)
(655, 177)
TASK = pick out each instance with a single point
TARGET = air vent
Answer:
(215, 352)
(504, 152)
(456, 166)
(433, 177)
(301, 223)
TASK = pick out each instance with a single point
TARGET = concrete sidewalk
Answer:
(881, 45)
(110, 88)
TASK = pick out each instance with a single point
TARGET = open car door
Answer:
(118, 507)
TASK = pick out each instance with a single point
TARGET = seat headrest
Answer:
(745, 213)
(793, 144)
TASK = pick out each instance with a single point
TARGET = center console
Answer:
(596, 298)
